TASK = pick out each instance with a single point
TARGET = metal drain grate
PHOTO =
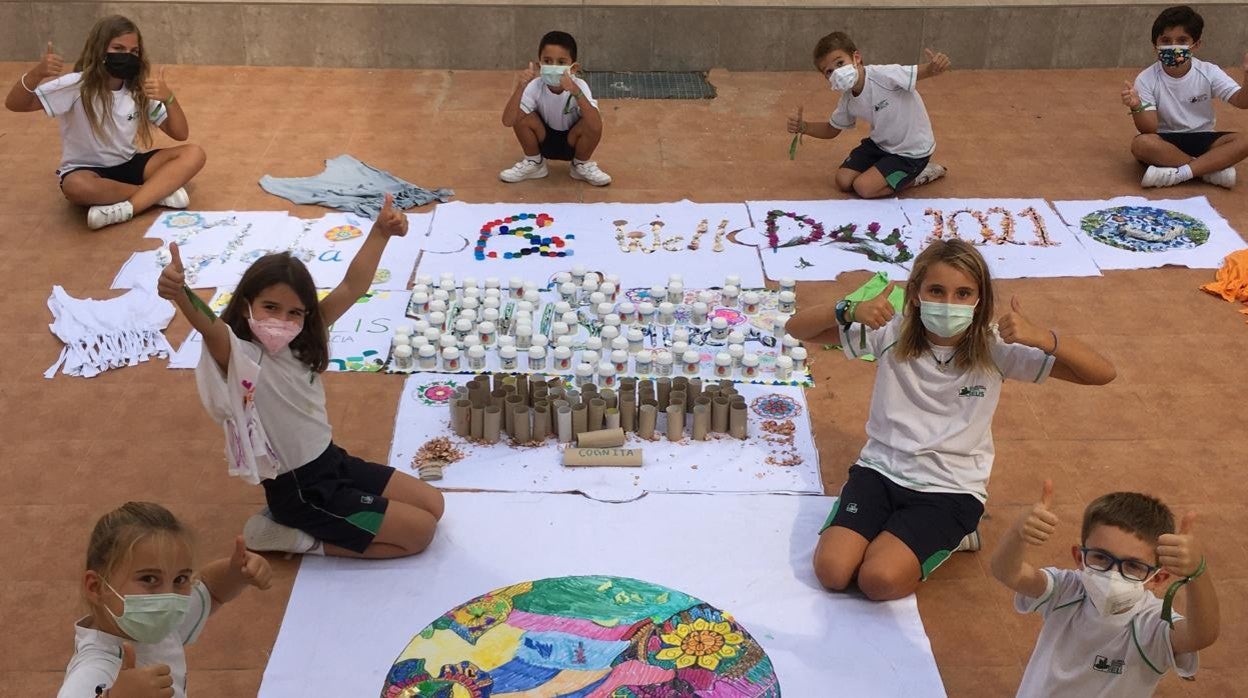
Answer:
(650, 85)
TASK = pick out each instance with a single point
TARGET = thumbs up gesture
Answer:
(250, 566)
(937, 63)
(796, 125)
(155, 87)
(1039, 523)
(878, 311)
(52, 64)
(173, 277)
(529, 74)
(390, 222)
(1130, 98)
(146, 682)
(1013, 328)
(1180, 553)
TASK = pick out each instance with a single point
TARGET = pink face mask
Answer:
(273, 333)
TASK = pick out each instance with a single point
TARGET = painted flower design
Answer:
(734, 317)
(439, 393)
(702, 643)
(183, 220)
(482, 613)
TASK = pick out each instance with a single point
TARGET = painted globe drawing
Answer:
(1144, 229)
(612, 637)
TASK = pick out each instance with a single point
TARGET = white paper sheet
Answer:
(823, 259)
(359, 341)
(348, 620)
(1019, 238)
(588, 235)
(1152, 233)
(721, 464)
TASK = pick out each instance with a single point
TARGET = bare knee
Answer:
(1144, 144)
(76, 191)
(845, 181)
(418, 534)
(883, 583)
(834, 574)
(195, 155)
(435, 504)
(869, 190)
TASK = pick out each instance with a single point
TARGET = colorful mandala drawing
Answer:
(183, 219)
(1144, 229)
(583, 636)
(436, 392)
(538, 244)
(382, 276)
(776, 406)
(734, 317)
(340, 233)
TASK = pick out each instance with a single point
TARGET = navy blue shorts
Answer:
(898, 171)
(1195, 143)
(555, 145)
(130, 172)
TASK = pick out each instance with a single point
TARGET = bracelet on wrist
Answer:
(1167, 604)
(23, 81)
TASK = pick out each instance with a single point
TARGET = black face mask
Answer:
(124, 66)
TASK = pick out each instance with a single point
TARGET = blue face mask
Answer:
(946, 319)
(1174, 56)
(553, 74)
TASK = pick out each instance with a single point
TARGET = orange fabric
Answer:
(1231, 281)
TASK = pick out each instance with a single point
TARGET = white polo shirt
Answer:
(97, 654)
(1082, 654)
(1184, 105)
(80, 146)
(893, 107)
(930, 427)
(559, 111)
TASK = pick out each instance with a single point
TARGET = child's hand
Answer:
(1130, 98)
(1039, 523)
(390, 222)
(878, 311)
(250, 566)
(566, 81)
(155, 87)
(1180, 553)
(1013, 328)
(173, 278)
(52, 64)
(529, 74)
(937, 63)
(795, 124)
(148, 682)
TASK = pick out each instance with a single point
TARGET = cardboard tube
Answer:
(609, 397)
(522, 423)
(554, 383)
(580, 417)
(541, 422)
(498, 397)
(725, 384)
(538, 391)
(630, 457)
(628, 416)
(719, 415)
(546, 415)
(596, 408)
(664, 390)
(461, 417)
(509, 413)
(628, 383)
(476, 424)
(603, 438)
(737, 421)
(645, 390)
(701, 421)
(611, 418)
(675, 422)
(695, 391)
(680, 383)
(646, 417)
(522, 386)
(461, 393)
(588, 390)
(677, 397)
(563, 418)
(493, 424)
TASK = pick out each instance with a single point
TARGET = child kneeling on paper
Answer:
(147, 603)
(109, 102)
(554, 115)
(260, 377)
(1105, 633)
(917, 491)
(897, 154)
(1171, 103)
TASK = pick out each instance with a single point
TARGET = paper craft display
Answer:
(777, 453)
(746, 555)
(514, 327)
(584, 635)
(1136, 233)
(818, 240)
(1019, 238)
(642, 242)
(103, 334)
(216, 248)
(359, 340)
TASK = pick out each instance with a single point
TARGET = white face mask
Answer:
(149, 618)
(1109, 591)
(946, 319)
(553, 74)
(844, 77)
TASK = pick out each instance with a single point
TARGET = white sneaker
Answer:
(1160, 177)
(100, 216)
(262, 533)
(1223, 178)
(588, 172)
(525, 169)
(970, 543)
(931, 173)
(178, 199)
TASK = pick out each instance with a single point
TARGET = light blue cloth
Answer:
(350, 185)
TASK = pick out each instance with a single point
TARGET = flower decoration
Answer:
(702, 643)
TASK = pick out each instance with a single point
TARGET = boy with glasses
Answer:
(1105, 633)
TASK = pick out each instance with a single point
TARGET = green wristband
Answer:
(1167, 605)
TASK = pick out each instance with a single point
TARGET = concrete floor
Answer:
(1172, 424)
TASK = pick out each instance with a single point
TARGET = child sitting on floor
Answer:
(917, 491)
(1105, 633)
(554, 115)
(147, 603)
(1172, 105)
(898, 151)
(109, 102)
